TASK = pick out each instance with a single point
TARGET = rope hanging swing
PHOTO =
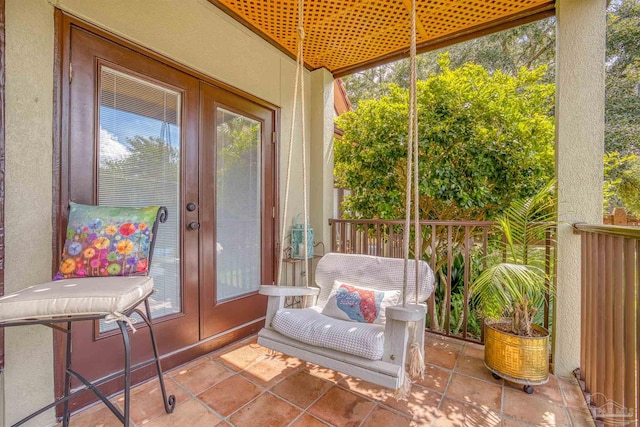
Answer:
(415, 356)
(415, 359)
(298, 85)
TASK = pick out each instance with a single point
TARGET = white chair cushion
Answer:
(75, 297)
(310, 326)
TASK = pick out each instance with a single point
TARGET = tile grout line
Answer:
(369, 414)
(446, 388)
(306, 410)
(502, 393)
(263, 388)
(564, 400)
(479, 407)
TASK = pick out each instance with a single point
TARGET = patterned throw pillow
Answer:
(348, 302)
(107, 241)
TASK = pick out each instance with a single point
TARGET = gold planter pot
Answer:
(523, 360)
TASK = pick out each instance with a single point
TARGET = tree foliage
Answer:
(622, 132)
(529, 46)
(615, 166)
(484, 140)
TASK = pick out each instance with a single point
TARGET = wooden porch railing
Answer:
(610, 321)
(456, 250)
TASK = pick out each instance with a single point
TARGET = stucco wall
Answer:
(192, 32)
(321, 189)
(28, 378)
(580, 71)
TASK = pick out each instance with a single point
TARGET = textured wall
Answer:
(192, 32)
(28, 378)
(321, 192)
(580, 145)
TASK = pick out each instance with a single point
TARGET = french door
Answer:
(141, 132)
(236, 201)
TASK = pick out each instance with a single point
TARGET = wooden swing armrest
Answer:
(287, 291)
(410, 313)
(397, 331)
(278, 294)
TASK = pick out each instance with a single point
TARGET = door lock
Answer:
(191, 206)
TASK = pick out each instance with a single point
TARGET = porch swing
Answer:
(356, 320)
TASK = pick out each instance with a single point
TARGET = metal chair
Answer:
(66, 301)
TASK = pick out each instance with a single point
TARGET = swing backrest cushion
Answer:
(371, 272)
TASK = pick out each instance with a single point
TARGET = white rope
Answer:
(305, 200)
(412, 147)
(299, 82)
(415, 357)
(413, 97)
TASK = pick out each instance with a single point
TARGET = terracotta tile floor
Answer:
(244, 385)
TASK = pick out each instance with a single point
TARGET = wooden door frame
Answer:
(2, 187)
(63, 24)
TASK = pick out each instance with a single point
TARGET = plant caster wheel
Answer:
(496, 376)
(528, 389)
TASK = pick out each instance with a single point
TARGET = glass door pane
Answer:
(238, 204)
(139, 165)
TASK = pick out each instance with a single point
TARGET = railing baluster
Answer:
(636, 378)
(547, 271)
(447, 321)
(618, 320)
(589, 298)
(485, 239)
(355, 238)
(333, 236)
(583, 302)
(432, 263)
(366, 241)
(607, 310)
(392, 242)
(600, 327)
(593, 318)
(467, 268)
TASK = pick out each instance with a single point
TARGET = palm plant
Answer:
(515, 288)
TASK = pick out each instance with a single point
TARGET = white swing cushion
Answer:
(372, 272)
(346, 303)
(310, 326)
(89, 296)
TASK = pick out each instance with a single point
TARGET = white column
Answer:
(580, 72)
(321, 164)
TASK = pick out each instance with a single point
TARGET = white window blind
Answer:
(139, 165)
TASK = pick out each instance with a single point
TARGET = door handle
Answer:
(193, 225)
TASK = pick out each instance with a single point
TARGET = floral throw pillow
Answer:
(107, 241)
(348, 302)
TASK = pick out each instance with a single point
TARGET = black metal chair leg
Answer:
(67, 379)
(127, 371)
(170, 402)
